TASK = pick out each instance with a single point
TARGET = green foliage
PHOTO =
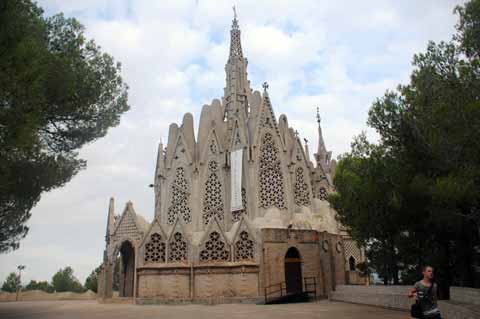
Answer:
(58, 91)
(64, 280)
(91, 283)
(10, 284)
(468, 27)
(39, 285)
(415, 196)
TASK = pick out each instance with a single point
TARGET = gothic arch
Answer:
(152, 249)
(244, 242)
(215, 246)
(271, 179)
(178, 245)
(178, 203)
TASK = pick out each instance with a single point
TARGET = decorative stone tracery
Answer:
(213, 199)
(215, 249)
(155, 249)
(244, 247)
(177, 248)
(271, 176)
(301, 194)
(180, 194)
(322, 193)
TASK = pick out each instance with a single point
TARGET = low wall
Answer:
(463, 305)
(38, 295)
(465, 295)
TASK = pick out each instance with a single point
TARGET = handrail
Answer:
(309, 287)
(310, 284)
(281, 287)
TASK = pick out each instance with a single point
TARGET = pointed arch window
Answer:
(215, 249)
(180, 195)
(301, 193)
(155, 249)
(213, 198)
(177, 248)
(322, 193)
(271, 176)
(244, 247)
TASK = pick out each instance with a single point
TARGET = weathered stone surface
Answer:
(93, 310)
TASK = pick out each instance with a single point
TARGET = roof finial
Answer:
(265, 86)
(319, 119)
(234, 13)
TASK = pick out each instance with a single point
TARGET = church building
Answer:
(241, 211)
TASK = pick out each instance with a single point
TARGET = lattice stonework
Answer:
(271, 177)
(213, 147)
(301, 195)
(177, 249)
(155, 249)
(180, 195)
(127, 228)
(352, 250)
(215, 250)
(244, 247)
(236, 215)
(322, 193)
(213, 199)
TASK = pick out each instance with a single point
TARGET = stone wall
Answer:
(463, 305)
(180, 284)
(37, 295)
(465, 295)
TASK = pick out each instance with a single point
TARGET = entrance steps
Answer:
(118, 300)
(289, 298)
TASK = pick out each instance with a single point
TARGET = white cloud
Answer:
(337, 55)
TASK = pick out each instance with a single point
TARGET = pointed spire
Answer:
(323, 156)
(321, 144)
(235, 44)
(110, 220)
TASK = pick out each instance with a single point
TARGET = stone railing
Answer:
(464, 303)
(37, 295)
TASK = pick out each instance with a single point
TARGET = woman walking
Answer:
(425, 293)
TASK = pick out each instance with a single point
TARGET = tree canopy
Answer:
(10, 284)
(58, 91)
(64, 280)
(91, 283)
(414, 197)
(39, 285)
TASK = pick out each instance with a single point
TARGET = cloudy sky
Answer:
(336, 55)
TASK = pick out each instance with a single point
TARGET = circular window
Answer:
(325, 245)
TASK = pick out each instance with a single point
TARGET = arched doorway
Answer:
(293, 271)
(127, 269)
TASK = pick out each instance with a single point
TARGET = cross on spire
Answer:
(319, 119)
(265, 86)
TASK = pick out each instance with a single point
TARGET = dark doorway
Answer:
(127, 269)
(352, 263)
(293, 271)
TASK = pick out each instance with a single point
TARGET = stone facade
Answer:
(238, 207)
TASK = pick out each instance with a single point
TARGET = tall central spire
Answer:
(237, 88)
(235, 43)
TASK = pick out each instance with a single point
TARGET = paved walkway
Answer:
(92, 310)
